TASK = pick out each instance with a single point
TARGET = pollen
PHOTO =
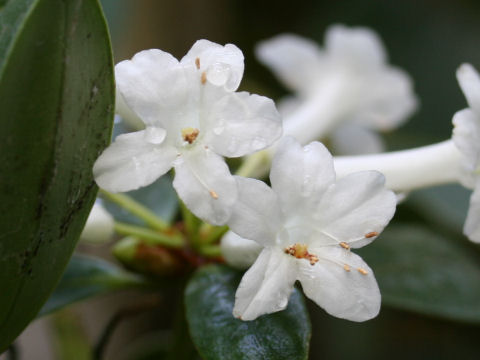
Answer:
(346, 268)
(189, 134)
(344, 245)
(300, 251)
(197, 63)
(371, 234)
(213, 194)
(362, 271)
(203, 79)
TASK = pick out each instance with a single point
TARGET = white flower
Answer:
(455, 160)
(192, 118)
(466, 136)
(99, 226)
(307, 223)
(346, 90)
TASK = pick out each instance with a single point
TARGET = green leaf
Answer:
(86, 277)
(56, 101)
(421, 271)
(209, 299)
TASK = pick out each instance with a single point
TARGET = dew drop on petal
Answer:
(218, 130)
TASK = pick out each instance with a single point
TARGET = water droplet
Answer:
(155, 135)
(218, 130)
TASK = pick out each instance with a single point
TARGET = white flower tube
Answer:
(456, 160)
(307, 223)
(193, 118)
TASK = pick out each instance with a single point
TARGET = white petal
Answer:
(292, 58)
(204, 183)
(239, 252)
(352, 139)
(472, 224)
(240, 124)
(132, 162)
(345, 294)
(256, 215)
(466, 137)
(223, 64)
(385, 99)
(266, 286)
(153, 85)
(299, 175)
(128, 116)
(358, 45)
(354, 210)
(99, 226)
(469, 81)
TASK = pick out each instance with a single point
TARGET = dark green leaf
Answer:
(422, 271)
(450, 202)
(209, 299)
(56, 101)
(86, 277)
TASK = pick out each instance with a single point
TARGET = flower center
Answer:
(190, 134)
(300, 251)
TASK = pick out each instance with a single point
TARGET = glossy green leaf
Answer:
(209, 299)
(86, 277)
(421, 271)
(56, 101)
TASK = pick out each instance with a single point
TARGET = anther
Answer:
(344, 245)
(190, 134)
(371, 234)
(203, 79)
(362, 271)
(346, 268)
(197, 63)
(213, 194)
(300, 251)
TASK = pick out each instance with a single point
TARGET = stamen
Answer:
(371, 234)
(344, 245)
(197, 63)
(190, 134)
(362, 271)
(203, 79)
(213, 194)
(346, 268)
(300, 251)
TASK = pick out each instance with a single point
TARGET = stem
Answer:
(209, 233)
(210, 250)
(174, 240)
(137, 209)
(408, 169)
(255, 165)
(147, 304)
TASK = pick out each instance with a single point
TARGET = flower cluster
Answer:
(318, 208)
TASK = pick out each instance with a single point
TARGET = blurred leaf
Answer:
(86, 277)
(421, 271)
(56, 101)
(446, 205)
(209, 299)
